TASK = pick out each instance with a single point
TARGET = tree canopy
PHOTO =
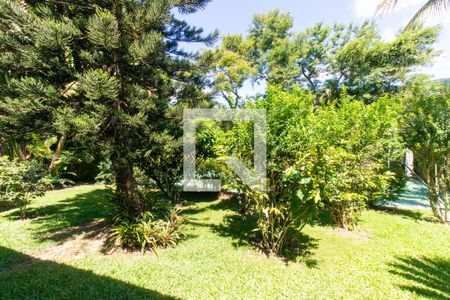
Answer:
(111, 72)
(326, 58)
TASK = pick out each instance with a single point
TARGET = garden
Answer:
(93, 197)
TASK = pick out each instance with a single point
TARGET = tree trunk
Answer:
(124, 177)
(57, 154)
(434, 192)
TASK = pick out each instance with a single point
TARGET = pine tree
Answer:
(110, 72)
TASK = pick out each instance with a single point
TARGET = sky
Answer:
(235, 16)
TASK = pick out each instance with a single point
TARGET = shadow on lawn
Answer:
(415, 215)
(5, 206)
(84, 212)
(25, 277)
(429, 278)
(193, 197)
(241, 229)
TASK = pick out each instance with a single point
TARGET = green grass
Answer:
(394, 254)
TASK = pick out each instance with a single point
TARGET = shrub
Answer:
(333, 156)
(278, 219)
(150, 230)
(163, 163)
(106, 172)
(21, 182)
(285, 206)
(344, 149)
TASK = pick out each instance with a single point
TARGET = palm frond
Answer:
(386, 5)
(432, 7)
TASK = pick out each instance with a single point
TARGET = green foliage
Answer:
(323, 58)
(425, 128)
(103, 31)
(106, 172)
(107, 76)
(229, 68)
(334, 155)
(148, 231)
(76, 164)
(163, 164)
(272, 52)
(98, 84)
(344, 150)
(21, 182)
(281, 208)
(207, 135)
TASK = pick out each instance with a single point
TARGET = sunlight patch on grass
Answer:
(216, 259)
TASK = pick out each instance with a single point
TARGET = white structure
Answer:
(409, 163)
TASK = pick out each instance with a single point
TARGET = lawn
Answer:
(395, 254)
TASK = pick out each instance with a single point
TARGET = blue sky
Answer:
(233, 16)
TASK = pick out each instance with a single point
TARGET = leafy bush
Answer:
(106, 172)
(163, 163)
(345, 148)
(21, 182)
(147, 232)
(333, 156)
(285, 205)
(159, 226)
(277, 220)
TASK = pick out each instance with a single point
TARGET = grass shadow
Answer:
(324, 219)
(228, 203)
(189, 211)
(194, 197)
(86, 212)
(6, 206)
(25, 277)
(241, 230)
(428, 278)
(300, 248)
(415, 215)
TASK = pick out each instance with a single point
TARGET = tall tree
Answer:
(105, 71)
(273, 53)
(328, 58)
(229, 68)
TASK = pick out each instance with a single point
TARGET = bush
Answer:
(148, 233)
(21, 182)
(345, 148)
(106, 172)
(332, 156)
(278, 219)
(163, 163)
(287, 205)
(150, 230)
